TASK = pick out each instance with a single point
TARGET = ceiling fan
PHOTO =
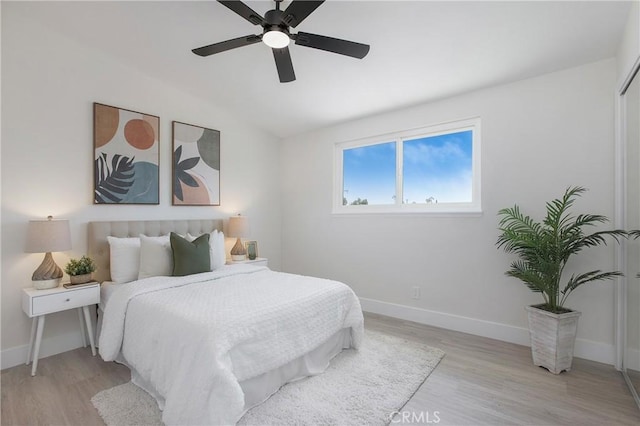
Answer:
(276, 24)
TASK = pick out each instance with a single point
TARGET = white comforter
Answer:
(195, 338)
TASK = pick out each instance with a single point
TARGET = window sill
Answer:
(385, 211)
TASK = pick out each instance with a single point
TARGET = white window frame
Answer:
(473, 207)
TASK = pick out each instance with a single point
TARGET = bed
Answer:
(210, 346)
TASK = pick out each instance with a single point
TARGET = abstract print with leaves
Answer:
(196, 165)
(126, 156)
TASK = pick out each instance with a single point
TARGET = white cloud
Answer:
(421, 153)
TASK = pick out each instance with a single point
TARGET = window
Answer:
(432, 169)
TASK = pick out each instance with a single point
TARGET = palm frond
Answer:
(112, 183)
(577, 280)
(634, 233)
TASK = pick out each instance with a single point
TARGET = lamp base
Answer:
(46, 284)
(238, 252)
(47, 270)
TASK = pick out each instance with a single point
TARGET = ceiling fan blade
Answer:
(298, 10)
(284, 65)
(226, 45)
(330, 44)
(245, 11)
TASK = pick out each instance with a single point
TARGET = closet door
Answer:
(631, 136)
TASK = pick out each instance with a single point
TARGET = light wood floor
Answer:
(479, 382)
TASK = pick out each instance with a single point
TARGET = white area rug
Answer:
(359, 388)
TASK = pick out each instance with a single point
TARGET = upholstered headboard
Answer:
(99, 231)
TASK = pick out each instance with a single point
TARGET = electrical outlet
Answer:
(415, 292)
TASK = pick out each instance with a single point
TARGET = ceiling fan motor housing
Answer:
(276, 33)
(273, 20)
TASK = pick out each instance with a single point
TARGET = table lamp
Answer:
(238, 227)
(46, 236)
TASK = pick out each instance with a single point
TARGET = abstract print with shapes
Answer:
(196, 165)
(126, 156)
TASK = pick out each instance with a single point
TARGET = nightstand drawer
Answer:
(65, 300)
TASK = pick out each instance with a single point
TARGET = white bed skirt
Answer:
(258, 389)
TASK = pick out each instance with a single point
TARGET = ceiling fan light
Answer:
(275, 39)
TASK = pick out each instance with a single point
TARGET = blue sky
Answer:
(434, 166)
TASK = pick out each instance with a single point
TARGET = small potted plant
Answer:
(80, 270)
(543, 250)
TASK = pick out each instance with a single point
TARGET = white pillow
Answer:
(216, 248)
(125, 258)
(156, 258)
(218, 255)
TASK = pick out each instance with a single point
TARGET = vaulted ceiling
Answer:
(420, 51)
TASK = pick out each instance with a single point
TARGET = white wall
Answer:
(629, 49)
(49, 83)
(538, 137)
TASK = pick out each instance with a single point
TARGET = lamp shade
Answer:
(238, 226)
(49, 235)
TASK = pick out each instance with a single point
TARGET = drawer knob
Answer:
(67, 300)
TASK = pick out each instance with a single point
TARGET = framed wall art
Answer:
(196, 165)
(126, 156)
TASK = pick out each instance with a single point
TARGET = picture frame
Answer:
(126, 156)
(196, 165)
(252, 249)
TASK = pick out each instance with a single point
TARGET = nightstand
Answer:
(258, 261)
(38, 303)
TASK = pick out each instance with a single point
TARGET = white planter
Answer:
(552, 338)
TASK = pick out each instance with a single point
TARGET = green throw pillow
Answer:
(190, 257)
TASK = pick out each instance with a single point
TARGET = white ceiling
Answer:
(420, 51)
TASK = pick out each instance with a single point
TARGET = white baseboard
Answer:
(587, 349)
(48, 347)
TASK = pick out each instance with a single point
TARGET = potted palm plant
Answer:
(543, 250)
